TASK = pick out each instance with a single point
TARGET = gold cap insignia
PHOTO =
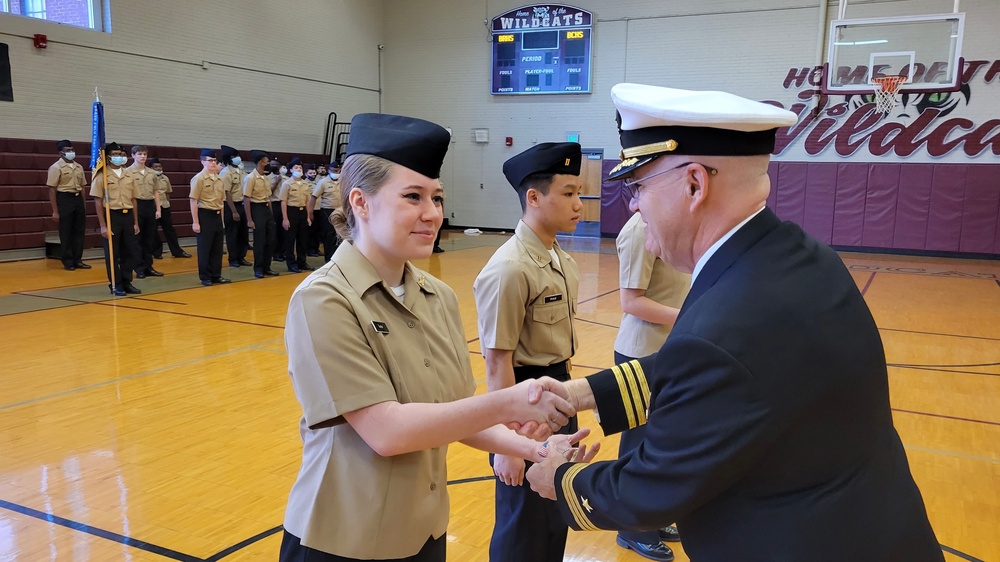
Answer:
(624, 164)
(567, 162)
(421, 280)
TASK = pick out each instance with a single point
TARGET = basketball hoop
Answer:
(886, 88)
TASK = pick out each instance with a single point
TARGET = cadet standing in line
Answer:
(313, 232)
(526, 300)
(148, 200)
(294, 198)
(651, 295)
(257, 210)
(326, 197)
(278, 176)
(237, 231)
(124, 227)
(67, 181)
(166, 221)
(208, 196)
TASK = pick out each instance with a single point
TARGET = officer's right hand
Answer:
(104, 232)
(509, 470)
(196, 228)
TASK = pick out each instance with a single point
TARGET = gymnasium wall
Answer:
(249, 73)
(762, 50)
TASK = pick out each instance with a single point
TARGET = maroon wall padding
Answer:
(980, 228)
(849, 205)
(913, 206)
(821, 193)
(944, 225)
(614, 204)
(790, 191)
(880, 206)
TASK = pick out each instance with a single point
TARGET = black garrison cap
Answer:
(152, 161)
(294, 162)
(258, 155)
(209, 153)
(111, 147)
(229, 152)
(412, 143)
(308, 167)
(544, 158)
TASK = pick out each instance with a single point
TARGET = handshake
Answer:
(540, 407)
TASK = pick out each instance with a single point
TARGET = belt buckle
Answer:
(124, 211)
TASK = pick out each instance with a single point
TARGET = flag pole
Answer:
(103, 161)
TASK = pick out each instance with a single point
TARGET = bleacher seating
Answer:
(25, 213)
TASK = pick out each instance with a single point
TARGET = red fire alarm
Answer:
(509, 141)
(41, 41)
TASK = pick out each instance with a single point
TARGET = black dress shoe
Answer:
(220, 281)
(131, 289)
(206, 282)
(438, 250)
(658, 551)
(69, 267)
(81, 265)
(182, 255)
(258, 274)
(245, 263)
(278, 258)
(116, 291)
(271, 273)
(140, 274)
(669, 534)
(294, 269)
(157, 257)
(313, 254)
(153, 272)
(234, 264)
(307, 267)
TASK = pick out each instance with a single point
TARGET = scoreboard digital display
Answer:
(542, 49)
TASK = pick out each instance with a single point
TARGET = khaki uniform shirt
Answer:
(296, 192)
(165, 189)
(639, 269)
(351, 344)
(526, 303)
(66, 177)
(276, 181)
(232, 178)
(121, 190)
(209, 190)
(145, 183)
(327, 192)
(257, 187)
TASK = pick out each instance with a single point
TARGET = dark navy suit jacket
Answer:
(769, 433)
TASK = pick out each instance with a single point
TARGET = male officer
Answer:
(164, 188)
(294, 198)
(208, 195)
(326, 197)
(768, 429)
(118, 193)
(257, 210)
(237, 230)
(526, 300)
(66, 182)
(147, 198)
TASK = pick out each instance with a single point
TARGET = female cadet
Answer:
(379, 362)
(295, 219)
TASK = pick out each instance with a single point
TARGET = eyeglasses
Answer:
(634, 186)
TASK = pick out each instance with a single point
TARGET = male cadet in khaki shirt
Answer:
(164, 188)
(294, 198)
(147, 198)
(237, 231)
(66, 181)
(526, 299)
(208, 195)
(124, 227)
(326, 196)
(257, 210)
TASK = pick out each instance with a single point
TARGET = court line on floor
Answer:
(147, 299)
(952, 454)
(960, 554)
(243, 544)
(136, 375)
(598, 296)
(244, 322)
(956, 418)
(918, 368)
(577, 318)
(98, 532)
(868, 284)
(938, 334)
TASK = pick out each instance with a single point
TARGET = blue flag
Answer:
(97, 142)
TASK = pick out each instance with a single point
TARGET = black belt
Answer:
(558, 371)
(213, 211)
(122, 211)
(67, 193)
(256, 203)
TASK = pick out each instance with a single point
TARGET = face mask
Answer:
(69, 155)
(119, 160)
(158, 172)
(311, 176)
(237, 160)
(334, 176)
(296, 174)
(284, 170)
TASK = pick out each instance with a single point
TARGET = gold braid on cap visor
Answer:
(650, 149)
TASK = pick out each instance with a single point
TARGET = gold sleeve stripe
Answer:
(626, 397)
(573, 501)
(637, 402)
(641, 376)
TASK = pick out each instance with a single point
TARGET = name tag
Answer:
(553, 298)
(380, 327)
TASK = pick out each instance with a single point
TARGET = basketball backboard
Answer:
(927, 49)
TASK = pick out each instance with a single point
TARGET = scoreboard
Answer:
(542, 49)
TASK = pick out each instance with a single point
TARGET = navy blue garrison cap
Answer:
(412, 143)
(208, 153)
(294, 162)
(258, 155)
(112, 147)
(152, 161)
(229, 152)
(544, 158)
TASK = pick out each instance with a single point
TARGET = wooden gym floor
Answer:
(163, 426)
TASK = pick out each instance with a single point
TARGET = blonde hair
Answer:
(365, 172)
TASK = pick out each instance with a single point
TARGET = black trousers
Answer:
(315, 234)
(297, 236)
(146, 208)
(210, 244)
(125, 244)
(329, 234)
(167, 224)
(237, 234)
(72, 225)
(263, 235)
(434, 550)
(278, 250)
(528, 527)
